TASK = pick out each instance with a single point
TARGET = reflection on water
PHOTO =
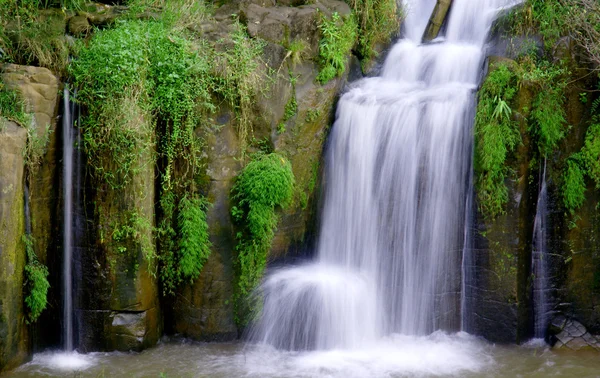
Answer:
(459, 355)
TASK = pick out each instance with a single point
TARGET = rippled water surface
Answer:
(459, 355)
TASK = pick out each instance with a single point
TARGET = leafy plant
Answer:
(378, 21)
(267, 182)
(496, 132)
(187, 261)
(36, 282)
(12, 106)
(338, 36)
(496, 135)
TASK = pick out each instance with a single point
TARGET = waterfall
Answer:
(539, 256)
(397, 180)
(68, 150)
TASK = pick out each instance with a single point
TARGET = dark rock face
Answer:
(502, 248)
(118, 286)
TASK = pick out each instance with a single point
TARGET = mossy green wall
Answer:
(14, 340)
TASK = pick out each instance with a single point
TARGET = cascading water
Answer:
(539, 256)
(397, 181)
(68, 141)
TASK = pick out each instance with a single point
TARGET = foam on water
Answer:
(56, 362)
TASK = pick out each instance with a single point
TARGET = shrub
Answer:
(187, 261)
(266, 183)
(12, 106)
(337, 39)
(36, 282)
(496, 135)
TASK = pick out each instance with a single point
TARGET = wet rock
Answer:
(572, 335)
(133, 330)
(437, 19)
(14, 341)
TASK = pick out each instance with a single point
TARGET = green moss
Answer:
(266, 183)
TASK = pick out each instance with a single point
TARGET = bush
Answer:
(36, 282)
(12, 106)
(193, 248)
(496, 132)
(337, 39)
(496, 135)
(266, 183)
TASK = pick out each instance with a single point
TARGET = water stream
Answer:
(397, 181)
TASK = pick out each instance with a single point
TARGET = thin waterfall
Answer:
(397, 190)
(467, 266)
(539, 256)
(68, 140)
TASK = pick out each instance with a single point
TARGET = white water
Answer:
(541, 284)
(398, 172)
(68, 140)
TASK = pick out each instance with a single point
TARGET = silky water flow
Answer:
(397, 187)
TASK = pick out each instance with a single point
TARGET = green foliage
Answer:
(291, 108)
(573, 189)
(337, 39)
(548, 119)
(312, 115)
(36, 146)
(378, 21)
(239, 76)
(12, 106)
(550, 16)
(266, 183)
(31, 37)
(585, 163)
(37, 285)
(149, 86)
(133, 231)
(496, 135)
(187, 261)
(296, 52)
